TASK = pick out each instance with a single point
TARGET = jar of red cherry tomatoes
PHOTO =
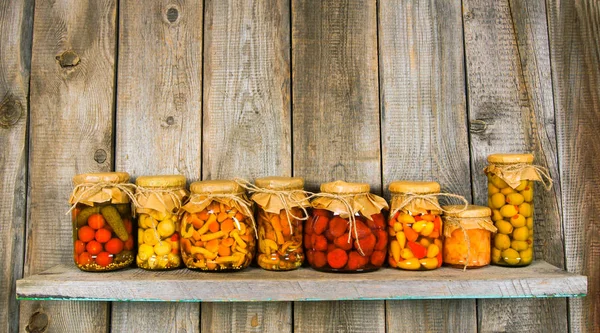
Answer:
(102, 221)
(346, 230)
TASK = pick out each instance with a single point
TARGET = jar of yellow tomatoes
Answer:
(102, 221)
(346, 230)
(467, 235)
(158, 200)
(510, 196)
(217, 227)
(415, 226)
(281, 212)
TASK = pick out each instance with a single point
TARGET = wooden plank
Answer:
(15, 61)
(510, 110)
(247, 131)
(336, 125)
(424, 127)
(540, 279)
(72, 94)
(575, 52)
(159, 121)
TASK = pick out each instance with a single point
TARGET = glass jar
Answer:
(280, 215)
(158, 200)
(102, 221)
(415, 226)
(346, 230)
(217, 227)
(467, 236)
(510, 196)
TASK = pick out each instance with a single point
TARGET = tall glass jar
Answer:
(159, 199)
(415, 226)
(346, 230)
(217, 227)
(102, 221)
(467, 236)
(280, 215)
(510, 196)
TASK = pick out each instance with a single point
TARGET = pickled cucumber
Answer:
(112, 217)
(124, 209)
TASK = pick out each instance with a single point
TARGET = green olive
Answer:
(504, 227)
(507, 191)
(499, 183)
(526, 255)
(501, 242)
(522, 186)
(519, 245)
(514, 199)
(492, 189)
(527, 194)
(520, 234)
(498, 200)
(525, 209)
(495, 255)
(530, 232)
(496, 216)
(509, 211)
(530, 222)
(518, 221)
(511, 256)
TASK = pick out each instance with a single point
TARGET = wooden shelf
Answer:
(66, 282)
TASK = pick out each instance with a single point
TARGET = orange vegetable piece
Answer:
(320, 224)
(320, 243)
(271, 235)
(428, 217)
(114, 246)
(330, 237)
(224, 251)
(321, 212)
(355, 261)
(276, 223)
(227, 241)
(285, 225)
(367, 244)
(186, 245)
(79, 247)
(227, 225)
(129, 244)
(86, 234)
(382, 240)
(308, 225)
(128, 225)
(337, 258)
(104, 259)
(439, 259)
(196, 236)
(434, 234)
(214, 227)
(308, 241)
(338, 226)
(222, 216)
(84, 259)
(247, 237)
(377, 258)
(437, 224)
(212, 245)
(96, 221)
(196, 222)
(392, 262)
(417, 249)
(411, 235)
(319, 259)
(361, 229)
(203, 215)
(93, 247)
(378, 221)
(331, 247)
(418, 218)
(342, 242)
(103, 235)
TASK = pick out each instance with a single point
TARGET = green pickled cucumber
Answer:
(112, 217)
(124, 209)
(85, 213)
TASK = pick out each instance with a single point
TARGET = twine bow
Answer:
(236, 197)
(431, 198)
(93, 188)
(285, 196)
(516, 169)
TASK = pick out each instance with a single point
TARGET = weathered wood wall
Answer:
(362, 90)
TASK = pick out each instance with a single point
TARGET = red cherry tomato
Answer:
(86, 234)
(104, 259)
(115, 246)
(79, 247)
(128, 225)
(129, 244)
(103, 235)
(84, 259)
(93, 247)
(96, 221)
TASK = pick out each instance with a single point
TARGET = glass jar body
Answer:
(416, 241)
(333, 246)
(158, 241)
(103, 236)
(280, 240)
(218, 238)
(473, 253)
(512, 213)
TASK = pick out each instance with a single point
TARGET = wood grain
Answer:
(510, 111)
(574, 28)
(336, 125)
(424, 127)
(159, 121)
(247, 125)
(70, 125)
(540, 279)
(15, 60)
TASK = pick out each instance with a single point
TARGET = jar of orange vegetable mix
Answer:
(102, 221)
(281, 212)
(346, 230)
(467, 236)
(415, 226)
(510, 196)
(159, 199)
(217, 227)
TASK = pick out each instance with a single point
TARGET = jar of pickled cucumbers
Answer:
(415, 226)
(281, 212)
(346, 230)
(467, 236)
(159, 199)
(217, 227)
(510, 196)
(102, 221)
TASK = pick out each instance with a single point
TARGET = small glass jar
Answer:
(280, 230)
(467, 236)
(510, 196)
(334, 241)
(159, 199)
(415, 228)
(102, 221)
(217, 227)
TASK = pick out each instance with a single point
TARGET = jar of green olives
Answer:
(510, 196)
(159, 199)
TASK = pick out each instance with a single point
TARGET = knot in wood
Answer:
(477, 126)
(172, 14)
(38, 323)
(100, 156)
(10, 111)
(68, 59)
(469, 15)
